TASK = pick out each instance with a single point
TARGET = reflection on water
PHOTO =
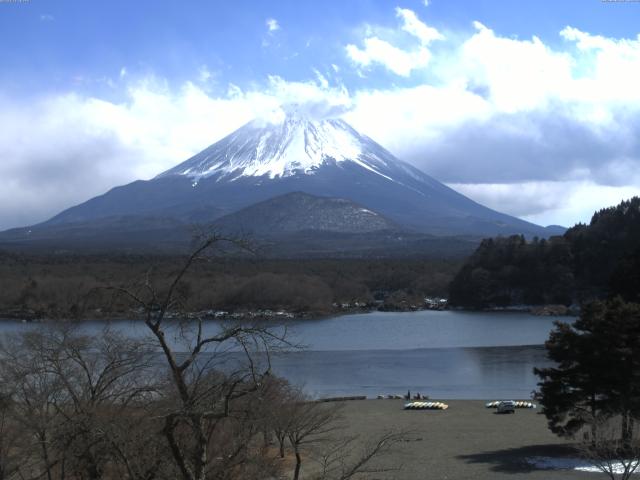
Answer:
(446, 354)
(479, 373)
(423, 329)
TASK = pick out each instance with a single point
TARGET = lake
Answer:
(443, 354)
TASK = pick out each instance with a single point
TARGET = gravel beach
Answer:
(466, 441)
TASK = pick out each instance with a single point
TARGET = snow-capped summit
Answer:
(297, 144)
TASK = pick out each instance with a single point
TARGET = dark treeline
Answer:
(588, 262)
(70, 285)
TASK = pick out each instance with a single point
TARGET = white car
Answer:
(507, 406)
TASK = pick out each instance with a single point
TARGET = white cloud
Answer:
(518, 99)
(581, 201)
(415, 115)
(606, 69)
(412, 25)
(515, 123)
(65, 149)
(549, 133)
(322, 80)
(272, 25)
(316, 99)
(45, 17)
(548, 203)
(205, 75)
(77, 147)
(396, 59)
(517, 74)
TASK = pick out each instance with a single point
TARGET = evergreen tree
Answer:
(597, 371)
(589, 262)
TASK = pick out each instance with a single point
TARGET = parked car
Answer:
(507, 406)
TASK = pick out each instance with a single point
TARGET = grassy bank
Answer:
(466, 441)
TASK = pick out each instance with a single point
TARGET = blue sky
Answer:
(50, 45)
(528, 107)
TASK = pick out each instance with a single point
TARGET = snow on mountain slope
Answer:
(297, 145)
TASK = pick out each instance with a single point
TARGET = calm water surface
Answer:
(445, 354)
(423, 329)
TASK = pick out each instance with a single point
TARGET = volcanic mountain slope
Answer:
(299, 212)
(262, 160)
(299, 225)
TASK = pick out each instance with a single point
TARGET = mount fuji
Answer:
(323, 159)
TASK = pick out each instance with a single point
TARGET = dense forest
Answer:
(59, 286)
(588, 262)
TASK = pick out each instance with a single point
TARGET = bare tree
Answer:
(345, 459)
(71, 393)
(277, 401)
(208, 378)
(316, 430)
(11, 437)
(308, 424)
(614, 454)
(33, 393)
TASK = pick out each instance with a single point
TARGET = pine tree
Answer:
(597, 371)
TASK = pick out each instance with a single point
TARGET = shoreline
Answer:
(267, 314)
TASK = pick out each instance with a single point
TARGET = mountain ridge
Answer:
(261, 161)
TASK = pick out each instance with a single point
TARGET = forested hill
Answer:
(598, 260)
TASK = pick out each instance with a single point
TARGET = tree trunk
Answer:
(201, 448)
(627, 431)
(93, 471)
(281, 443)
(626, 437)
(296, 472)
(176, 452)
(45, 454)
(594, 422)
